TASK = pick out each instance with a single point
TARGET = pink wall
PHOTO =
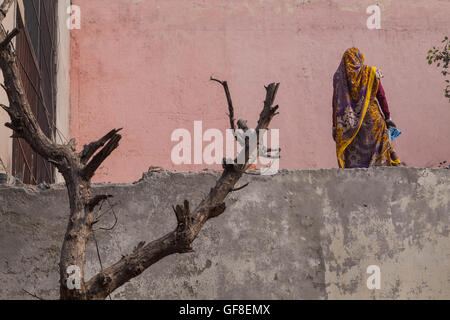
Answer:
(144, 65)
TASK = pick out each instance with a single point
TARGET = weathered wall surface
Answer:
(145, 64)
(296, 235)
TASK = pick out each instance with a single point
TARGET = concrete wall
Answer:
(296, 235)
(145, 64)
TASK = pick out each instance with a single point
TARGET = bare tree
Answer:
(78, 168)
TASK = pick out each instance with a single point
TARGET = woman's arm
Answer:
(381, 97)
(334, 117)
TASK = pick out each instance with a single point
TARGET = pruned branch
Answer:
(91, 148)
(268, 111)
(240, 188)
(113, 142)
(229, 101)
(189, 222)
(97, 199)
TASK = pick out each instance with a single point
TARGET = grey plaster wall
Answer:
(295, 235)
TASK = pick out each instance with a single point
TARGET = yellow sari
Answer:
(361, 131)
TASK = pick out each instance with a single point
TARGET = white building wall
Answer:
(62, 77)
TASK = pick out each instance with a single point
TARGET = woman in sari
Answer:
(360, 115)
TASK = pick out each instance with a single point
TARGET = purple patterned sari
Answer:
(361, 132)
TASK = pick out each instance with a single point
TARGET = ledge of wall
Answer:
(297, 235)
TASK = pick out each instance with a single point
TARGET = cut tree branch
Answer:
(229, 101)
(189, 223)
(240, 188)
(97, 199)
(113, 142)
(91, 148)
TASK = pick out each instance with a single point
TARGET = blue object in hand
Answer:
(393, 133)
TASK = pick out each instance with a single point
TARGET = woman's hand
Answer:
(390, 123)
